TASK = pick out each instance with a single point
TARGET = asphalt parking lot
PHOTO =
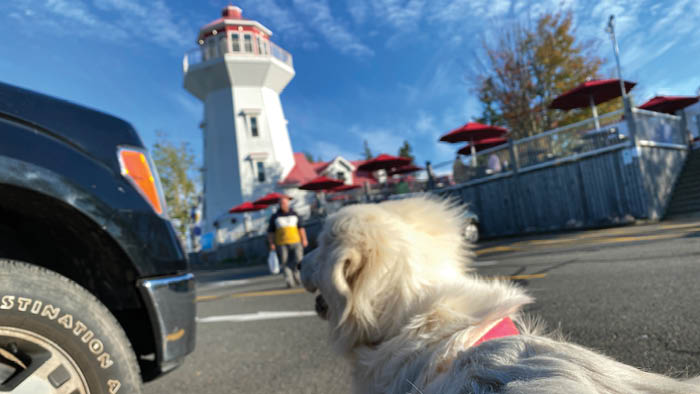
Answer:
(630, 292)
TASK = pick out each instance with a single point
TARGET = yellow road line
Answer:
(683, 225)
(206, 298)
(268, 293)
(494, 250)
(518, 277)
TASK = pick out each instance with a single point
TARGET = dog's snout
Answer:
(321, 307)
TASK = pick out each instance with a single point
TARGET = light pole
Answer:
(626, 103)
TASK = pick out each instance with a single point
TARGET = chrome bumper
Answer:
(170, 301)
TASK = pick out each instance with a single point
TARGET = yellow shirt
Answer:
(286, 228)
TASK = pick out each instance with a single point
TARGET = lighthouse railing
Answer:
(281, 54)
(204, 53)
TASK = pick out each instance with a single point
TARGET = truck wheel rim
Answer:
(40, 366)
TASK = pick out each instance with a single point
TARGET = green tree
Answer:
(526, 68)
(309, 157)
(367, 152)
(176, 167)
(405, 151)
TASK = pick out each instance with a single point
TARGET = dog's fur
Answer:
(402, 307)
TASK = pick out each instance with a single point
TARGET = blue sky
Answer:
(381, 70)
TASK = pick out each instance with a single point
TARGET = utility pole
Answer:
(626, 102)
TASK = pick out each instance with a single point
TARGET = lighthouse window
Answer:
(260, 47)
(248, 43)
(254, 126)
(223, 44)
(261, 171)
(235, 43)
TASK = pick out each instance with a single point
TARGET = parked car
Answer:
(95, 290)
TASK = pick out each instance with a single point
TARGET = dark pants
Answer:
(290, 268)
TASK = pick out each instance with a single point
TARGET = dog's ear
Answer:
(348, 267)
(348, 274)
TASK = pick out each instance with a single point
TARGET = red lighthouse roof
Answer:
(232, 19)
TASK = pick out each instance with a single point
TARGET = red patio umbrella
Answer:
(246, 207)
(383, 162)
(591, 93)
(473, 131)
(270, 198)
(405, 169)
(669, 104)
(321, 183)
(343, 188)
(481, 145)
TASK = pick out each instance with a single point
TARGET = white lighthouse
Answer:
(238, 73)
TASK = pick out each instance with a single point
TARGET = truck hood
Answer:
(94, 133)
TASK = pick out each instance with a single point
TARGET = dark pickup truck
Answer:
(96, 295)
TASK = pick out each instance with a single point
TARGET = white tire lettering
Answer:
(96, 346)
(66, 321)
(87, 337)
(36, 307)
(8, 302)
(113, 386)
(79, 328)
(23, 303)
(50, 312)
(105, 360)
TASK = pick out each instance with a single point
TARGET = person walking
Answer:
(286, 237)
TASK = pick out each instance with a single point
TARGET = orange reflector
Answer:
(135, 168)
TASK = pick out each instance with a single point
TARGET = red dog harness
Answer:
(504, 328)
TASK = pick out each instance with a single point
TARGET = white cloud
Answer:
(358, 10)
(334, 31)
(282, 21)
(123, 21)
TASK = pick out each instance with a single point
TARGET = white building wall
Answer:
(280, 141)
(222, 179)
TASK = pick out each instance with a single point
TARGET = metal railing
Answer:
(574, 139)
(658, 127)
(549, 147)
(573, 142)
(224, 45)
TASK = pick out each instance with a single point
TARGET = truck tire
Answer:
(57, 337)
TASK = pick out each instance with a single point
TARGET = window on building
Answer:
(259, 42)
(210, 48)
(254, 126)
(340, 175)
(235, 43)
(261, 171)
(223, 44)
(248, 43)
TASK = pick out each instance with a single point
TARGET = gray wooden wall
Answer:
(610, 188)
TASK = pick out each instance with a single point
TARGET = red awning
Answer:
(482, 144)
(473, 131)
(383, 162)
(669, 104)
(405, 169)
(321, 183)
(246, 207)
(270, 198)
(600, 90)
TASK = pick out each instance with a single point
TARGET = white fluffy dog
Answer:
(402, 308)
